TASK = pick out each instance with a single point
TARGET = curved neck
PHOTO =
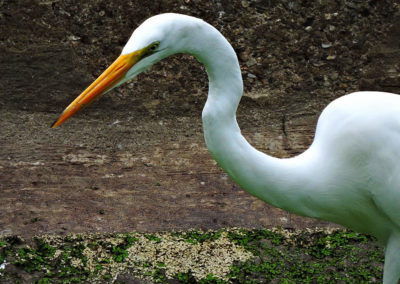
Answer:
(270, 179)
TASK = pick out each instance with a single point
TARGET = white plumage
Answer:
(350, 175)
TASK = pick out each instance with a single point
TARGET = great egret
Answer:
(350, 175)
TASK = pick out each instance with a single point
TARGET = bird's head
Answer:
(152, 41)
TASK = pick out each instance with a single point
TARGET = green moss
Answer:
(161, 264)
(187, 278)
(210, 279)
(35, 259)
(119, 252)
(45, 281)
(7, 247)
(249, 239)
(159, 276)
(309, 257)
(153, 238)
(2, 251)
(195, 237)
(69, 266)
(280, 256)
(334, 244)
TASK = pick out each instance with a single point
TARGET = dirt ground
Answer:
(136, 159)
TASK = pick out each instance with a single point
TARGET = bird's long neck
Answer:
(270, 179)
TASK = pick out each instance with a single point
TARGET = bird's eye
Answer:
(154, 46)
(150, 49)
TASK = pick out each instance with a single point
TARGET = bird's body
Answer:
(350, 175)
(351, 168)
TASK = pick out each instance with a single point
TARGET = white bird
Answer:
(350, 174)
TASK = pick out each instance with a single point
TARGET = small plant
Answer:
(2, 251)
(161, 265)
(153, 238)
(210, 279)
(129, 240)
(120, 251)
(184, 277)
(159, 276)
(119, 254)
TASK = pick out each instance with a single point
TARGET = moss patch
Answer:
(308, 256)
(224, 256)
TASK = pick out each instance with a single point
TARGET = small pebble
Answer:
(326, 45)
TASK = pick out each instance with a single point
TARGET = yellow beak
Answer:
(106, 81)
